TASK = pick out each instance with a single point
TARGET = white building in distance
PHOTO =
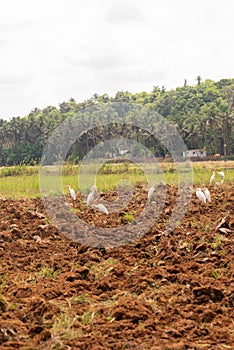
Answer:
(194, 153)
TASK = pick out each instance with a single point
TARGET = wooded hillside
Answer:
(203, 115)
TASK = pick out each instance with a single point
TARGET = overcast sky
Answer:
(52, 50)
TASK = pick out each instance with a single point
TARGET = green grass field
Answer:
(23, 181)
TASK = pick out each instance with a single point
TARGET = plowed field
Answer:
(163, 291)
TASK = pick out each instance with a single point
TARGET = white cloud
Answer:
(123, 11)
(57, 49)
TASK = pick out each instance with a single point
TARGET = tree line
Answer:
(202, 114)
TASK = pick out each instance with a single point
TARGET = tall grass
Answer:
(20, 186)
(23, 181)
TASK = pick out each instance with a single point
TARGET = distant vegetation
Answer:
(203, 115)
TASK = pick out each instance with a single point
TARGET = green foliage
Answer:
(18, 170)
(129, 217)
(218, 242)
(47, 271)
(216, 274)
(203, 114)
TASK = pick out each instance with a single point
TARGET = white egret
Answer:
(150, 193)
(72, 192)
(92, 195)
(94, 189)
(201, 195)
(207, 194)
(221, 173)
(102, 208)
(89, 199)
(212, 178)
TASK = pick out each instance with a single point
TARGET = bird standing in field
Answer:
(89, 199)
(221, 173)
(72, 192)
(212, 178)
(150, 193)
(94, 189)
(207, 194)
(201, 195)
(92, 195)
(102, 208)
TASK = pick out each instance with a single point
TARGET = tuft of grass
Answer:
(103, 268)
(47, 271)
(216, 274)
(22, 279)
(129, 217)
(63, 327)
(87, 317)
(184, 245)
(80, 299)
(218, 241)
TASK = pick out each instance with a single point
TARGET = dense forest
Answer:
(203, 115)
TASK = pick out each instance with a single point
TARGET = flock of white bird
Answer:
(203, 195)
(92, 196)
(212, 178)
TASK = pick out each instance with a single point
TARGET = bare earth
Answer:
(164, 291)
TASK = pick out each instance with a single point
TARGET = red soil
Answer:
(163, 291)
